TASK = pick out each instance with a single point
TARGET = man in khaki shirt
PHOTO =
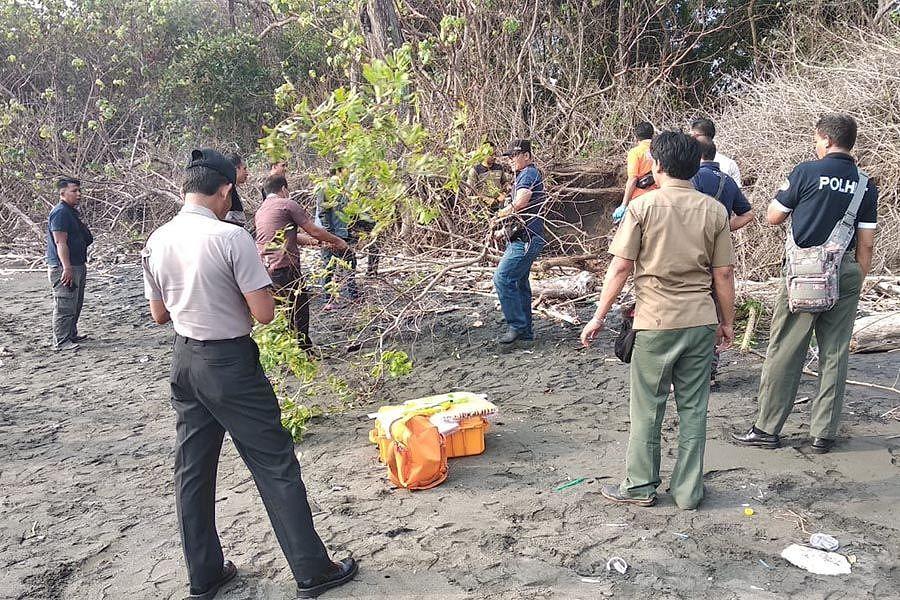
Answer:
(670, 239)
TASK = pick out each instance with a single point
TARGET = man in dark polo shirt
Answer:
(67, 241)
(205, 276)
(712, 181)
(511, 276)
(278, 222)
(816, 195)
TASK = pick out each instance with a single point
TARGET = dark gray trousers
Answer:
(67, 302)
(217, 387)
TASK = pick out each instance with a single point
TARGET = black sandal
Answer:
(229, 571)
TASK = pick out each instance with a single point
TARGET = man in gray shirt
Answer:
(206, 277)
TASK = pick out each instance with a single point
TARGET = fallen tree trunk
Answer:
(566, 287)
(876, 333)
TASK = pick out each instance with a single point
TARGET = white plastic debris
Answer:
(823, 541)
(816, 561)
(618, 563)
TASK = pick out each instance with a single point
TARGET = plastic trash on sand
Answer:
(823, 541)
(618, 564)
(816, 561)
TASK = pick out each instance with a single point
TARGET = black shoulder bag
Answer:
(625, 340)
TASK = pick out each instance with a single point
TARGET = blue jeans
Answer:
(511, 281)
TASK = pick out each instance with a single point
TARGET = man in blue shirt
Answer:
(67, 241)
(331, 217)
(525, 242)
(712, 181)
(816, 196)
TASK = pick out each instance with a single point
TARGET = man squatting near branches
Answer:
(206, 277)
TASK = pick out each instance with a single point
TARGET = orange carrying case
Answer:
(468, 440)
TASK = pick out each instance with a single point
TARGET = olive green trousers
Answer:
(661, 359)
(786, 355)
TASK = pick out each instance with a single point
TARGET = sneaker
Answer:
(80, 338)
(510, 336)
(613, 494)
(67, 345)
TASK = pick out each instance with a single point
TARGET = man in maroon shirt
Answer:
(277, 223)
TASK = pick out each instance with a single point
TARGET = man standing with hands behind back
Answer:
(670, 239)
(205, 276)
(816, 196)
(68, 239)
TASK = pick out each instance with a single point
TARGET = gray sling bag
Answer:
(813, 274)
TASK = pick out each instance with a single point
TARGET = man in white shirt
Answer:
(702, 126)
(205, 277)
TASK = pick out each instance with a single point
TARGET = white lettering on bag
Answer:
(838, 185)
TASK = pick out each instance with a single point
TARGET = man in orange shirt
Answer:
(640, 179)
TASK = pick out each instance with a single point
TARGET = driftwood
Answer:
(586, 262)
(38, 232)
(752, 319)
(807, 371)
(876, 333)
(565, 287)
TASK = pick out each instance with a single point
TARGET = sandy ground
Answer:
(87, 511)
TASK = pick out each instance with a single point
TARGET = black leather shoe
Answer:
(336, 575)
(228, 573)
(821, 445)
(510, 336)
(758, 438)
(612, 493)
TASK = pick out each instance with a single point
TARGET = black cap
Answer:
(517, 147)
(215, 160)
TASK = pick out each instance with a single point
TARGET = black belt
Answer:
(186, 340)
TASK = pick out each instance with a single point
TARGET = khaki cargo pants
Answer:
(786, 355)
(67, 303)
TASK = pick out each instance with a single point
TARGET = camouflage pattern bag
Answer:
(813, 274)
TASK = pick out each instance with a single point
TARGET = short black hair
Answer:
(643, 131)
(704, 126)
(841, 129)
(236, 159)
(64, 182)
(677, 153)
(707, 148)
(274, 184)
(202, 180)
